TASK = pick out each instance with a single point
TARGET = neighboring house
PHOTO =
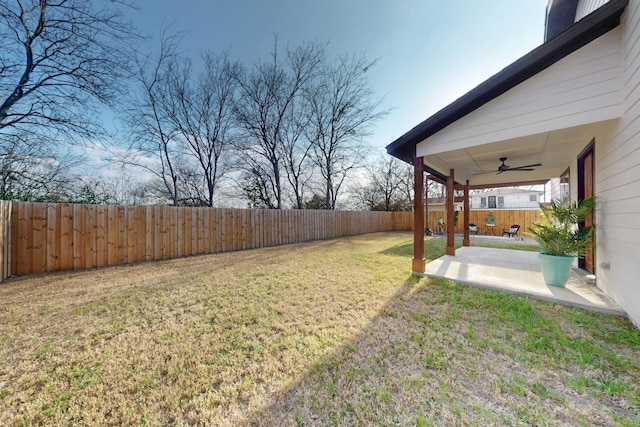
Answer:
(569, 110)
(506, 198)
(438, 204)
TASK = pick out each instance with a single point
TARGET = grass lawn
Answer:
(325, 333)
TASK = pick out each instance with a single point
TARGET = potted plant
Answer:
(560, 237)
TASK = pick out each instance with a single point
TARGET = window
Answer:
(500, 201)
(483, 202)
(492, 202)
(533, 197)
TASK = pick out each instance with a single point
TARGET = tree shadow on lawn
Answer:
(428, 352)
(434, 247)
(436, 355)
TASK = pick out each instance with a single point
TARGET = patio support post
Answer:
(465, 239)
(418, 263)
(426, 201)
(451, 249)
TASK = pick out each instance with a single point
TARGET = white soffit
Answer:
(555, 150)
(583, 88)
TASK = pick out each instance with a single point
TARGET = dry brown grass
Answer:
(325, 333)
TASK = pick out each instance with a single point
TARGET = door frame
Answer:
(583, 192)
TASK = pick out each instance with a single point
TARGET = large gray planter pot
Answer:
(555, 269)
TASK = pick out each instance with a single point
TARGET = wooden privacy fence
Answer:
(54, 237)
(44, 237)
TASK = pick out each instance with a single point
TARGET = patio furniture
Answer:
(491, 224)
(473, 229)
(511, 231)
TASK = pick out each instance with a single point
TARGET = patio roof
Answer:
(518, 272)
(578, 35)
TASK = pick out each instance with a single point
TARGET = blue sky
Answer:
(429, 52)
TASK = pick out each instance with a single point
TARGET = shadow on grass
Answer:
(442, 354)
(349, 385)
(434, 247)
(386, 349)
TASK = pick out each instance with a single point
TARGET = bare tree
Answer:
(123, 188)
(263, 113)
(201, 112)
(386, 187)
(405, 175)
(342, 112)
(296, 151)
(58, 60)
(254, 188)
(30, 172)
(91, 192)
(153, 146)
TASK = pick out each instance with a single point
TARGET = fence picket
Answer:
(131, 233)
(77, 241)
(150, 233)
(101, 236)
(7, 238)
(141, 230)
(111, 234)
(88, 232)
(38, 237)
(65, 233)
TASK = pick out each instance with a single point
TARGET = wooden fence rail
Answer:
(45, 237)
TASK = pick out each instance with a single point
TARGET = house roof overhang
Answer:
(570, 40)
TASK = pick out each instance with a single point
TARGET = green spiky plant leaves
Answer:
(558, 233)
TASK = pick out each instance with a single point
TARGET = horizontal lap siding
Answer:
(617, 184)
(42, 237)
(555, 98)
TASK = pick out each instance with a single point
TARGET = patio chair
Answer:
(511, 231)
(473, 229)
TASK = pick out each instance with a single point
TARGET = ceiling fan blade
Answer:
(526, 166)
(505, 168)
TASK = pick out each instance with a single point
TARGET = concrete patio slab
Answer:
(518, 272)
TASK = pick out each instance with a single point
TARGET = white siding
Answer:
(585, 7)
(598, 82)
(554, 189)
(584, 87)
(618, 184)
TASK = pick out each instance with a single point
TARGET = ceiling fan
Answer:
(506, 168)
